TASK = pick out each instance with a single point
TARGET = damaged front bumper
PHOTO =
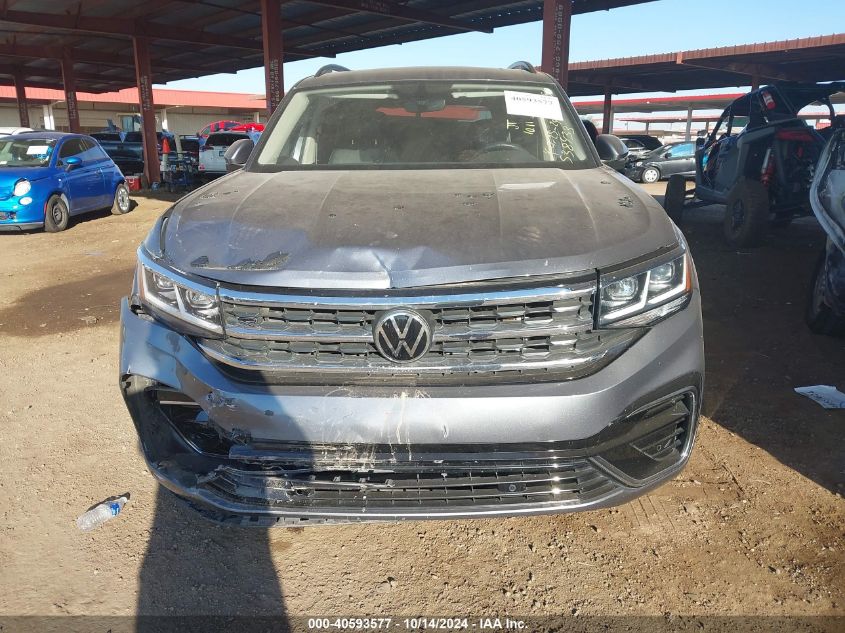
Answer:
(270, 454)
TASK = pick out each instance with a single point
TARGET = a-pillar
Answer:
(557, 23)
(607, 111)
(271, 37)
(144, 80)
(20, 95)
(69, 82)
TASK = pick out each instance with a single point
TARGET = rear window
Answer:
(224, 138)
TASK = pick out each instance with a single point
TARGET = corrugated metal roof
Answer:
(191, 38)
(810, 59)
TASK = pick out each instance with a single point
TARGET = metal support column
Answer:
(20, 95)
(49, 118)
(607, 111)
(755, 81)
(557, 22)
(688, 133)
(144, 79)
(69, 81)
(271, 37)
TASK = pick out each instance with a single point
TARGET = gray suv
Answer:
(422, 296)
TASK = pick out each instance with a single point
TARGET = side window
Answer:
(92, 152)
(71, 147)
(686, 150)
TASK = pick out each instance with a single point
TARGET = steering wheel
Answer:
(501, 146)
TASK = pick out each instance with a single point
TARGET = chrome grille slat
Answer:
(546, 329)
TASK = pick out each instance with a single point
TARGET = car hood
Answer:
(10, 175)
(379, 229)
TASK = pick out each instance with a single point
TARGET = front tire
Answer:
(673, 200)
(820, 318)
(650, 175)
(56, 215)
(122, 203)
(746, 214)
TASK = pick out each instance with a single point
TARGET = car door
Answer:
(95, 157)
(83, 182)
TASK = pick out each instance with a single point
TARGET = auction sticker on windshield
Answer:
(533, 105)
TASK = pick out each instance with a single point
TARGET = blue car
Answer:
(47, 177)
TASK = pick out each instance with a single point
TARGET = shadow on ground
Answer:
(68, 306)
(758, 347)
(200, 576)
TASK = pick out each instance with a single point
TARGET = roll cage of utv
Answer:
(758, 161)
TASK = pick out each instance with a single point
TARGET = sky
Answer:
(655, 27)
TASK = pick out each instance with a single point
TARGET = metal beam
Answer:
(128, 28)
(557, 23)
(20, 97)
(274, 53)
(9, 70)
(84, 56)
(144, 79)
(748, 69)
(69, 81)
(401, 12)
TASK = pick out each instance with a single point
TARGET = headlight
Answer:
(646, 297)
(169, 295)
(22, 187)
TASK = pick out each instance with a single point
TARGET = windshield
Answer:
(29, 152)
(425, 124)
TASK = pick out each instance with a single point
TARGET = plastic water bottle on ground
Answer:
(98, 515)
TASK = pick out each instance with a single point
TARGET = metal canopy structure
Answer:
(103, 45)
(190, 38)
(810, 59)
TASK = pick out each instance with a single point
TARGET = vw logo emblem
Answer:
(402, 336)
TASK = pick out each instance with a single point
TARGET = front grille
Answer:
(574, 482)
(547, 330)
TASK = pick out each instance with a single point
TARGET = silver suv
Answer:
(422, 296)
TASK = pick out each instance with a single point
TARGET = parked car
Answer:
(126, 149)
(47, 177)
(11, 131)
(659, 164)
(646, 140)
(826, 303)
(387, 314)
(758, 161)
(211, 162)
(640, 145)
(216, 126)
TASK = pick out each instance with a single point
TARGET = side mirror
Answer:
(612, 151)
(699, 142)
(238, 153)
(667, 155)
(72, 162)
(610, 148)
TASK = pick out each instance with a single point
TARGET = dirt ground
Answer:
(754, 526)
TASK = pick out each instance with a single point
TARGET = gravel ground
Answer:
(753, 526)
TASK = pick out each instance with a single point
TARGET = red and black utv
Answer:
(758, 161)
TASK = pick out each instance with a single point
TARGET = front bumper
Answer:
(634, 173)
(264, 454)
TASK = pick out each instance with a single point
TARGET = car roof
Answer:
(45, 134)
(444, 73)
